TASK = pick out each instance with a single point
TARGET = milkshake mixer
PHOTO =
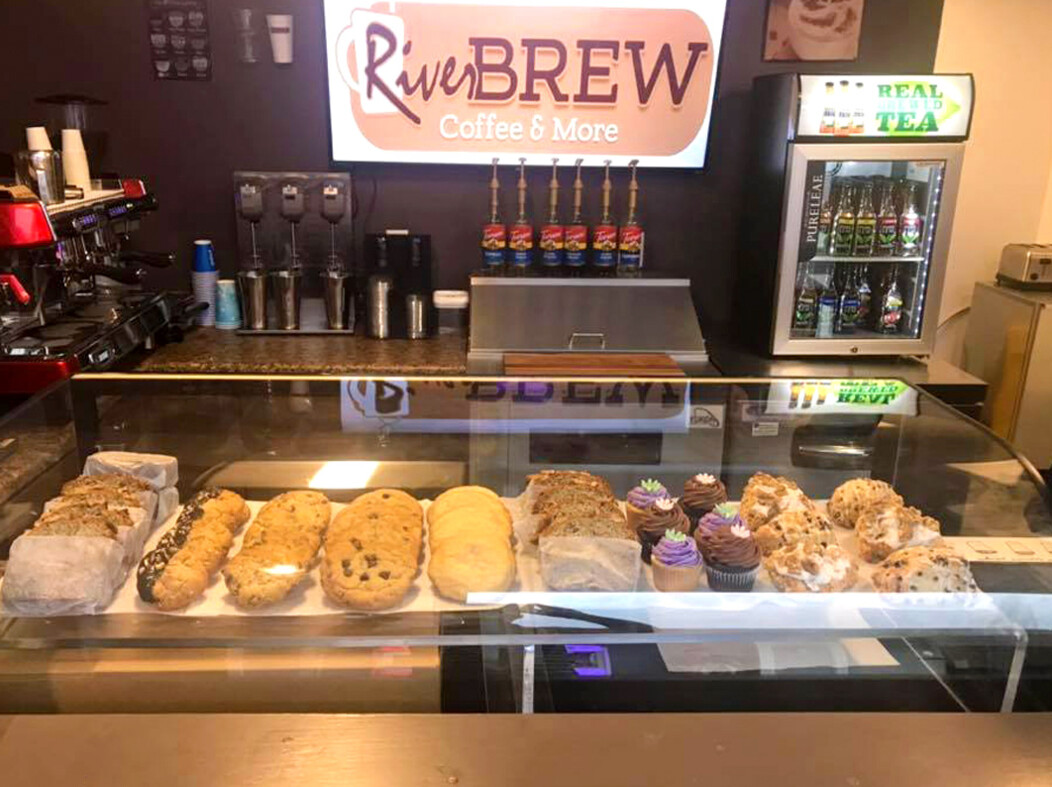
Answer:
(287, 281)
(338, 303)
(252, 281)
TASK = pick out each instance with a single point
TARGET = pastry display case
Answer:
(209, 543)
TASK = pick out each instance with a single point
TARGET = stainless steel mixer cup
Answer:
(285, 286)
(41, 170)
(253, 287)
(337, 295)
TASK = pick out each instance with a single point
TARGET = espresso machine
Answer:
(71, 295)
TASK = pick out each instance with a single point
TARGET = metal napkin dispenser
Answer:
(648, 315)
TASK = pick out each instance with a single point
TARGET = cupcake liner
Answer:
(675, 579)
(722, 578)
(634, 516)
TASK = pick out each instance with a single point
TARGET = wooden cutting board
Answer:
(590, 365)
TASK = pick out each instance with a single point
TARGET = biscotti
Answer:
(186, 558)
(371, 551)
(279, 549)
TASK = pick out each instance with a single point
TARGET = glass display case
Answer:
(520, 592)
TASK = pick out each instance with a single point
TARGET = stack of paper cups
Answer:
(204, 278)
(75, 160)
(37, 138)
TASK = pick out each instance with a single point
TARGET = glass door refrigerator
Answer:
(849, 211)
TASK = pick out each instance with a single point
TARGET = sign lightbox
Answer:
(927, 106)
(463, 82)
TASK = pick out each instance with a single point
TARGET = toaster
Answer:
(1026, 266)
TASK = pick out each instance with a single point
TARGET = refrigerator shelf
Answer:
(831, 258)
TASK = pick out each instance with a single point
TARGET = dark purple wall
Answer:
(185, 139)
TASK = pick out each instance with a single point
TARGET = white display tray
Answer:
(308, 598)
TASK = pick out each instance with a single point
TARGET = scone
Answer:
(887, 526)
(476, 565)
(924, 570)
(808, 567)
(853, 497)
(766, 496)
(794, 526)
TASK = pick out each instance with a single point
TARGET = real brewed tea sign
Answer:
(456, 82)
(853, 106)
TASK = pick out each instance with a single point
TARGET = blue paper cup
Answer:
(228, 310)
(204, 258)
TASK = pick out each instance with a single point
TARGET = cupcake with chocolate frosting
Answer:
(701, 494)
(732, 558)
(676, 563)
(662, 515)
(640, 498)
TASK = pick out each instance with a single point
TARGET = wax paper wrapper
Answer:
(583, 563)
(158, 470)
(62, 575)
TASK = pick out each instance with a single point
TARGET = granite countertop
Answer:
(212, 351)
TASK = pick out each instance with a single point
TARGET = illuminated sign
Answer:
(447, 82)
(806, 397)
(930, 106)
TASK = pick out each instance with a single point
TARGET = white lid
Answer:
(451, 299)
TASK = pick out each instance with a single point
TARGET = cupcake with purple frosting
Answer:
(676, 563)
(723, 515)
(640, 498)
(702, 493)
(662, 515)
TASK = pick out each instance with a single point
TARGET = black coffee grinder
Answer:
(407, 262)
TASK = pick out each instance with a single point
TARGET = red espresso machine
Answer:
(71, 297)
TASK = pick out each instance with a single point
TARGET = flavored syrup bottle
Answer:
(494, 233)
(520, 239)
(552, 234)
(631, 238)
(576, 233)
(604, 235)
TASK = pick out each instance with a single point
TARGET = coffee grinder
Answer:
(406, 261)
(339, 306)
